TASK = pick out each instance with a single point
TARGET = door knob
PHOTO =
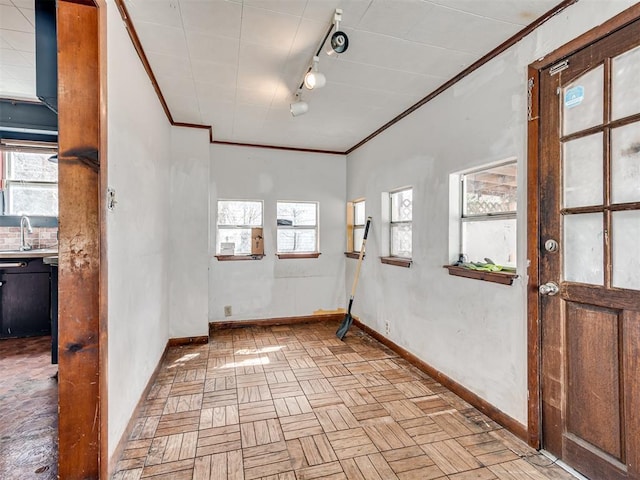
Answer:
(549, 288)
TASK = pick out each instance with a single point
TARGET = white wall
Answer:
(272, 287)
(473, 331)
(139, 150)
(189, 232)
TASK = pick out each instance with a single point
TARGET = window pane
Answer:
(583, 248)
(490, 191)
(625, 163)
(358, 213)
(402, 206)
(32, 167)
(240, 237)
(582, 101)
(241, 213)
(626, 249)
(26, 199)
(358, 235)
(583, 171)
(291, 240)
(625, 95)
(297, 214)
(494, 239)
(401, 240)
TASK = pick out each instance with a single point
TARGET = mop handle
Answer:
(364, 243)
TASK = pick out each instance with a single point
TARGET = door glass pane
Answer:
(626, 249)
(583, 248)
(625, 163)
(582, 102)
(625, 78)
(583, 171)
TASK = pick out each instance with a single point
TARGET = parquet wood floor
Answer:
(28, 410)
(296, 403)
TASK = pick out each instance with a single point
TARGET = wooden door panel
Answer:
(593, 389)
(631, 378)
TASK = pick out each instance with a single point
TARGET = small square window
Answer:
(400, 242)
(297, 227)
(236, 218)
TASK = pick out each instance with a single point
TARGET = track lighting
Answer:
(299, 107)
(313, 78)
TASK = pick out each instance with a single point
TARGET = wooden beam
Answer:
(79, 79)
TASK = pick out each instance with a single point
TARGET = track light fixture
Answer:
(313, 78)
(299, 107)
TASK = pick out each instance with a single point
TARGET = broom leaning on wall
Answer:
(348, 320)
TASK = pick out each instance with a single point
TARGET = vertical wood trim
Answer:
(606, 177)
(103, 275)
(533, 249)
(80, 97)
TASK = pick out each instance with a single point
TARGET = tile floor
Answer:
(296, 403)
(28, 410)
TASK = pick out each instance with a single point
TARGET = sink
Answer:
(35, 253)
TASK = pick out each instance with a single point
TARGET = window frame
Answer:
(465, 218)
(305, 254)
(401, 222)
(352, 226)
(230, 227)
(7, 182)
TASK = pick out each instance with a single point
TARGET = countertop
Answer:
(36, 253)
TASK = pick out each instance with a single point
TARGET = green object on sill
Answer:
(487, 266)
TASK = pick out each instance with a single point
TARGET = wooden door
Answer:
(590, 248)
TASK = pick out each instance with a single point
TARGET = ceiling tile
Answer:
(391, 17)
(521, 12)
(323, 10)
(12, 19)
(177, 84)
(290, 7)
(13, 57)
(213, 17)
(25, 42)
(183, 108)
(249, 117)
(161, 12)
(474, 34)
(29, 4)
(168, 65)
(162, 39)
(30, 15)
(214, 73)
(262, 95)
(213, 48)
(269, 29)
(212, 93)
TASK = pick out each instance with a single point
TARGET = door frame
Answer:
(534, 352)
(82, 387)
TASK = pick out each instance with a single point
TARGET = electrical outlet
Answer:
(387, 328)
(227, 311)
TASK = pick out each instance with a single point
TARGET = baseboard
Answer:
(270, 322)
(467, 395)
(117, 453)
(177, 342)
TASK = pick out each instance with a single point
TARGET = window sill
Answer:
(233, 258)
(298, 255)
(355, 255)
(503, 278)
(397, 261)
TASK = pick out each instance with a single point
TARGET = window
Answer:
(297, 227)
(236, 219)
(488, 219)
(356, 221)
(400, 242)
(30, 184)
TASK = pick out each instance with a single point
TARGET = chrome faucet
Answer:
(24, 220)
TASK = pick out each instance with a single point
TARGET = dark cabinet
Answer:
(25, 299)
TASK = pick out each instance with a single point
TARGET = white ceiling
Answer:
(236, 64)
(17, 49)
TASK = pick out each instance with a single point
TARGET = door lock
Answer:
(550, 289)
(551, 245)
